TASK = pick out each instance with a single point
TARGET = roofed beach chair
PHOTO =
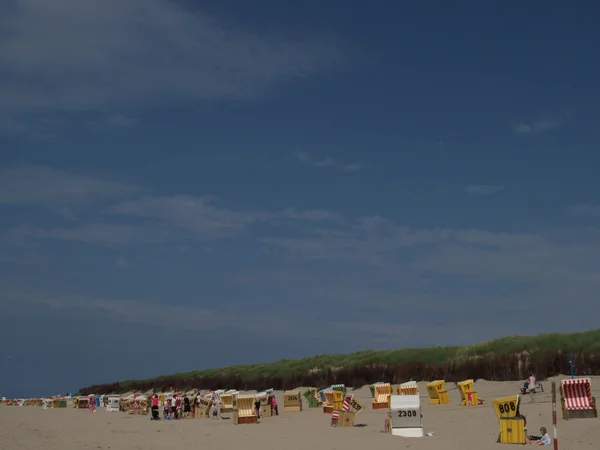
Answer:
(576, 399)
(383, 393)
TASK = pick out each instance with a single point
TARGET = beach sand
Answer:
(455, 427)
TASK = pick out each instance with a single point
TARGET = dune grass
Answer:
(588, 342)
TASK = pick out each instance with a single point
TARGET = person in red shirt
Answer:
(155, 407)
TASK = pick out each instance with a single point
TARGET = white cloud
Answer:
(305, 158)
(565, 255)
(536, 127)
(110, 56)
(374, 238)
(37, 185)
(585, 209)
(483, 189)
(165, 219)
(371, 244)
(201, 215)
(196, 214)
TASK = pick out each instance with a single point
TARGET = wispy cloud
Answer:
(163, 315)
(305, 158)
(155, 218)
(41, 128)
(107, 56)
(203, 215)
(491, 256)
(585, 209)
(483, 189)
(38, 185)
(371, 243)
(376, 240)
(539, 126)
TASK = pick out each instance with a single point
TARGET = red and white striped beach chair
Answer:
(347, 401)
(576, 399)
(335, 417)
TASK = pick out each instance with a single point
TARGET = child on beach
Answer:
(538, 441)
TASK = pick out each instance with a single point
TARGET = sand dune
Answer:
(455, 427)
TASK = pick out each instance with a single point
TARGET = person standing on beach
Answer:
(186, 407)
(174, 414)
(177, 407)
(214, 409)
(257, 408)
(155, 407)
(167, 407)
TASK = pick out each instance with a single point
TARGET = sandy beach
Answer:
(455, 427)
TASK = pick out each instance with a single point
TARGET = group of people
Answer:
(175, 408)
(272, 403)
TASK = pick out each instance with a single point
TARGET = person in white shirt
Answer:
(214, 409)
(543, 440)
(532, 381)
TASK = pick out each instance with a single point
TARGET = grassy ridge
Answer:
(436, 359)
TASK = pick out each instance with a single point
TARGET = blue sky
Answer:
(241, 181)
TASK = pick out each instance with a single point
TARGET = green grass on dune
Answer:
(588, 341)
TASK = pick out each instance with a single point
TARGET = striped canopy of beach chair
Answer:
(578, 394)
(335, 416)
(347, 401)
